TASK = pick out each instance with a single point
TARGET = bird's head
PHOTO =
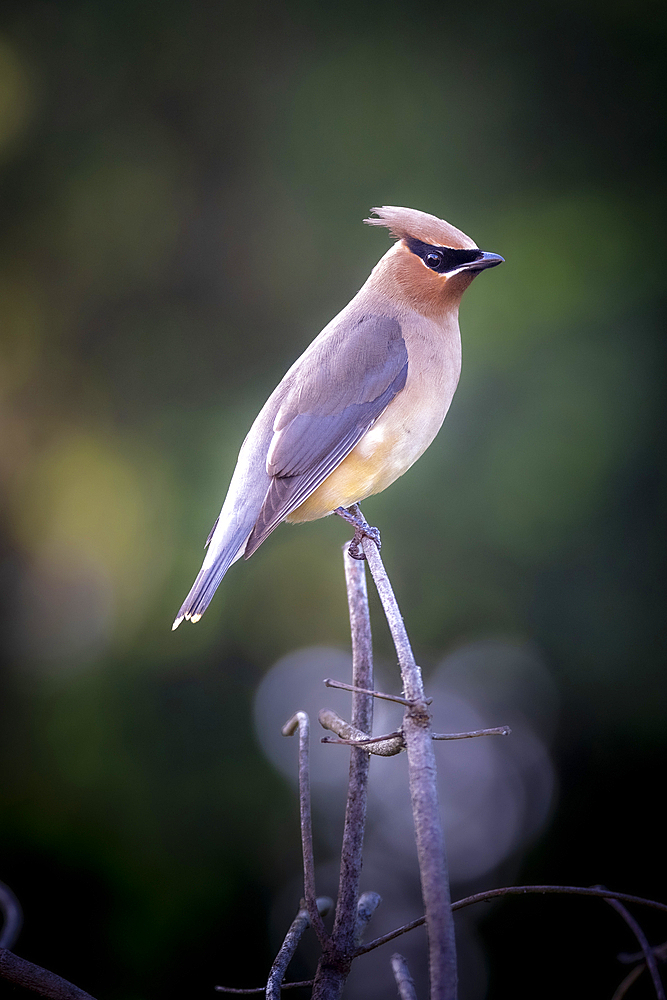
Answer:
(432, 263)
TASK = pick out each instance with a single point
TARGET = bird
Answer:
(361, 404)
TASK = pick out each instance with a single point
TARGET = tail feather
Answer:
(207, 582)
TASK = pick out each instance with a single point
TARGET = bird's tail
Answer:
(208, 581)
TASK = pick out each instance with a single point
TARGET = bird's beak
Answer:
(486, 260)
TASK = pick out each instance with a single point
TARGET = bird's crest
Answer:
(404, 222)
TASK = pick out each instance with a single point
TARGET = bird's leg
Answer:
(362, 529)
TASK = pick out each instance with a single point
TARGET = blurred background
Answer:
(182, 189)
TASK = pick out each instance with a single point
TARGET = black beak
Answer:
(483, 261)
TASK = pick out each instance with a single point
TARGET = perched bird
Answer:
(360, 405)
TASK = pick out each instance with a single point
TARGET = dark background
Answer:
(183, 186)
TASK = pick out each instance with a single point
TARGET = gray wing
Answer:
(351, 378)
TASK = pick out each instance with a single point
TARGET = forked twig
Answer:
(300, 720)
(649, 956)
(660, 952)
(288, 947)
(335, 962)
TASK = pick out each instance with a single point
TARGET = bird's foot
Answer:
(362, 529)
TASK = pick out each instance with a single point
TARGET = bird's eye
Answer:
(433, 260)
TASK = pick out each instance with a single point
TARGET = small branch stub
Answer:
(366, 907)
(404, 981)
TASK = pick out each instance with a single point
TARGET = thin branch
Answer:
(261, 989)
(288, 947)
(631, 978)
(33, 977)
(300, 720)
(383, 746)
(12, 916)
(389, 744)
(362, 721)
(404, 981)
(659, 950)
(424, 794)
(498, 731)
(334, 964)
(649, 957)
(340, 685)
(389, 936)
(515, 890)
(571, 890)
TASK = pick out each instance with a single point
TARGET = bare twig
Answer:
(33, 977)
(424, 794)
(404, 981)
(12, 916)
(389, 936)
(515, 890)
(498, 731)
(649, 957)
(659, 950)
(631, 978)
(288, 947)
(261, 989)
(362, 721)
(389, 744)
(570, 890)
(300, 720)
(340, 685)
(383, 746)
(335, 962)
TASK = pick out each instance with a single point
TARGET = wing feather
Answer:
(321, 420)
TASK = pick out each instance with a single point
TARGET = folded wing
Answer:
(352, 376)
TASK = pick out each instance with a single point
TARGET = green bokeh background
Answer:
(183, 186)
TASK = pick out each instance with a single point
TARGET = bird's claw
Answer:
(362, 529)
(355, 549)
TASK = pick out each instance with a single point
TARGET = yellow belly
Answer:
(385, 452)
(403, 432)
(355, 479)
